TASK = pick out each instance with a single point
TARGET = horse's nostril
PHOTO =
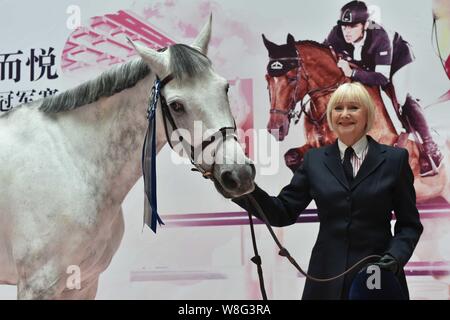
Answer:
(229, 181)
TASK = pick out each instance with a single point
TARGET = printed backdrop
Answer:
(47, 47)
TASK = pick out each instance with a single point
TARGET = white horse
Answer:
(67, 163)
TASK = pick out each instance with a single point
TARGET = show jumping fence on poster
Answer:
(203, 251)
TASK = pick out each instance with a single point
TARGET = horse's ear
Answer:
(157, 61)
(269, 45)
(202, 40)
(290, 39)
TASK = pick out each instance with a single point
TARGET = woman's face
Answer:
(349, 121)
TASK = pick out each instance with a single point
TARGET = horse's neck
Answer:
(109, 136)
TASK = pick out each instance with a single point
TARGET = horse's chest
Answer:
(104, 240)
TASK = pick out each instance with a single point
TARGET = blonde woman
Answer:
(356, 183)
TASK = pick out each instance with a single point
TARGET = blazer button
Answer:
(347, 198)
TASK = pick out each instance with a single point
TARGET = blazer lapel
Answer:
(374, 158)
(334, 164)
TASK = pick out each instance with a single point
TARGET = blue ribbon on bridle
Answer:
(151, 215)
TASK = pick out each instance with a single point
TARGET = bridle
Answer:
(291, 113)
(149, 149)
(222, 134)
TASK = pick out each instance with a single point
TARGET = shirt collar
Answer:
(359, 147)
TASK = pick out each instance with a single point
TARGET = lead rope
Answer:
(257, 259)
(285, 253)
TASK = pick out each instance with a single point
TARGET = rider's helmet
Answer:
(353, 12)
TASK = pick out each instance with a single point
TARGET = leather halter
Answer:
(223, 133)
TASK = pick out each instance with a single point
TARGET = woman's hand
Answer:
(388, 262)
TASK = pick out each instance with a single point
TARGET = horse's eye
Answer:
(227, 88)
(177, 107)
(291, 80)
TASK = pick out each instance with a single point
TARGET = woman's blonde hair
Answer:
(353, 92)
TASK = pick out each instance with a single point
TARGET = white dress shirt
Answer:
(360, 148)
(358, 47)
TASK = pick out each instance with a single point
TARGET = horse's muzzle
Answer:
(234, 180)
(278, 126)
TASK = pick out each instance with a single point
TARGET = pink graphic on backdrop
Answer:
(104, 40)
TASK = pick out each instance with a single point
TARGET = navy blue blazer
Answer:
(354, 218)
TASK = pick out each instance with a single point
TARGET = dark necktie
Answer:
(348, 168)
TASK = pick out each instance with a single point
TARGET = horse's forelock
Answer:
(187, 62)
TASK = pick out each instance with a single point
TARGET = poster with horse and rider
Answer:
(115, 116)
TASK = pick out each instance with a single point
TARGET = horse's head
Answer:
(283, 77)
(196, 114)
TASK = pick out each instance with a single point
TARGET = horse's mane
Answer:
(184, 62)
(317, 45)
(107, 84)
(313, 43)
